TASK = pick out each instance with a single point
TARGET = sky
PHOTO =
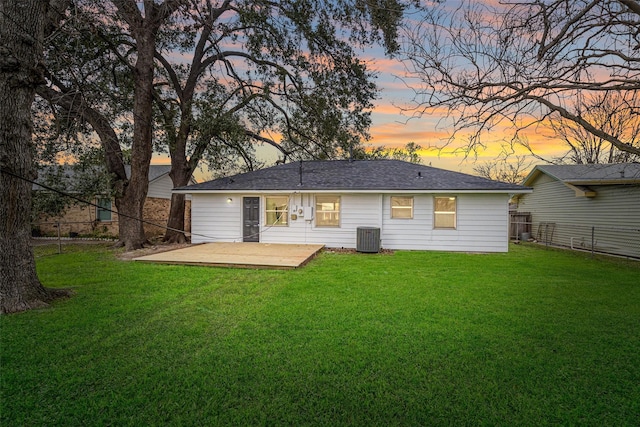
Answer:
(393, 125)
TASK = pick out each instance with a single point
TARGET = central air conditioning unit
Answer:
(368, 239)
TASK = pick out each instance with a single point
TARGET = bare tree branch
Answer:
(520, 63)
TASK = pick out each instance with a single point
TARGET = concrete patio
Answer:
(239, 255)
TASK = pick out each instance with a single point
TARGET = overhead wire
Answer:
(21, 27)
(78, 199)
(142, 220)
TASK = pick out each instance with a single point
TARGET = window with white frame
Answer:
(444, 212)
(103, 212)
(401, 207)
(328, 211)
(277, 210)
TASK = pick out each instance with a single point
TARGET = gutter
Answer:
(346, 190)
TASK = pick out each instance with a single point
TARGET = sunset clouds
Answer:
(396, 122)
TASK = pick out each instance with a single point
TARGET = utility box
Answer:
(368, 239)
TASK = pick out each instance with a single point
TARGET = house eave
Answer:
(351, 191)
(535, 173)
(581, 190)
(615, 181)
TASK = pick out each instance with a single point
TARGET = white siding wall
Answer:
(613, 210)
(161, 187)
(215, 220)
(482, 225)
(356, 210)
(408, 233)
(482, 222)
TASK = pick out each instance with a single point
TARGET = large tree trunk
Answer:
(180, 176)
(130, 208)
(144, 29)
(181, 167)
(176, 220)
(127, 197)
(131, 204)
(20, 72)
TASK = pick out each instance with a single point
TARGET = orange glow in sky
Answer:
(394, 125)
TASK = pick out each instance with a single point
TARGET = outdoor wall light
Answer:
(229, 200)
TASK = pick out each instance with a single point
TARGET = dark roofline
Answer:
(155, 172)
(613, 174)
(360, 176)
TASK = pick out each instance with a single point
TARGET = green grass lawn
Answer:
(533, 337)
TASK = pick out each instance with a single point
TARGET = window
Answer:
(103, 212)
(277, 210)
(444, 212)
(402, 207)
(328, 211)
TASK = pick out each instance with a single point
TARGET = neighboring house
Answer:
(411, 206)
(91, 220)
(583, 205)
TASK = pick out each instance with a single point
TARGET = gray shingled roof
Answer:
(359, 175)
(610, 173)
(155, 171)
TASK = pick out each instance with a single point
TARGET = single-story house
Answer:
(339, 203)
(91, 220)
(585, 206)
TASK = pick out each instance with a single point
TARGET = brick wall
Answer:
(82, 220)
(155, 211)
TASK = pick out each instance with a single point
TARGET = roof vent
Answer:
(622, 173)
(419, 174)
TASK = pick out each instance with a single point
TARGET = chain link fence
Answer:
(88, 229)
(60, 233)
(74, 229)
(621, 241)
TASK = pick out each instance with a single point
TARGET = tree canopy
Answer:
(227, 75)
(517, 64)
